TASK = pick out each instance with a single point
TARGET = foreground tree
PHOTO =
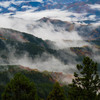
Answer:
(86, 83)
(2, 87)
(57, 93)
(20, 88)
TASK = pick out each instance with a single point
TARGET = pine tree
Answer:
(20, 88)
(57, 93)
(86, 83)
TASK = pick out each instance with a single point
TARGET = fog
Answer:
(61, 38)
(47, 31)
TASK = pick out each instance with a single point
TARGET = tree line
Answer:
(84, 86)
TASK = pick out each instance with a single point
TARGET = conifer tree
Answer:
(57, 93)
(86, 83)
(20, 88)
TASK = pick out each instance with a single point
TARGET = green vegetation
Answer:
(86, 83)
(84, 86)
(2, 87)
(20, 88)
(57, 93)
(44, 83)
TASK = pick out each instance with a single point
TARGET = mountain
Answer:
(18, 43)
(87, 32)
(8, 6)
(51, 35)
(15, 47)
(44, 82)
(91, 12)
(20, 48)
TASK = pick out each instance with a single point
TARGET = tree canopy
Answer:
(57, 93)
(86, 84)
(20, 88)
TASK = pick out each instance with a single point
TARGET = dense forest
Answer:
(20, 84)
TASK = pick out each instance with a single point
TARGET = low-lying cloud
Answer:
(95, 6)
(30, 23)
(46, 62)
